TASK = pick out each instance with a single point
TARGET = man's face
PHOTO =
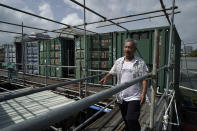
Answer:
(129, 49)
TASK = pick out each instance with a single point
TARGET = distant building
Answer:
(188, 49)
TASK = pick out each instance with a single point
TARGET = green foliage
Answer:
(193, 54)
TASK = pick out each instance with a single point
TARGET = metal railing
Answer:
(51, 87)
(64, 112)
(69, 109)
(49, 118)
(92, 117)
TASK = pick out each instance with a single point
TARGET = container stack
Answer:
(104, 49)
(54, 54)
(32, 58)
(79, 57)
(44, 56)
(99, 55)
(10, 53)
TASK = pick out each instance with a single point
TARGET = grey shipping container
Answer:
(10, 53)
(31, 57)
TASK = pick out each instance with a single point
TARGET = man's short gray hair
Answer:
(132, 41)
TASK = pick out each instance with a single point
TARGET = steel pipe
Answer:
(25, 12)
(10, 32)
(92, 117)
(154, 76)
(122, 17)
(137, 19)
(85, 46)
(51, 87)
(74, 1)
(164, 10)
(170, 45)
(53, 116)
(35, 28)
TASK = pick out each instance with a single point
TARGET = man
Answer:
(129, 100)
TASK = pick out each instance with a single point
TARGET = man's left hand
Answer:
(142, 98)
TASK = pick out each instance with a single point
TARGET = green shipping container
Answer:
(103, 49)
(57, 52)
(52, 71)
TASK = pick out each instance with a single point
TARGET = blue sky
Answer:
(69, 13)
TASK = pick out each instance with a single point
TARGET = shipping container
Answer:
(10, 53)
(2, 56)
(19, 55)
(31, 57)
(104, 49)
(54, 54)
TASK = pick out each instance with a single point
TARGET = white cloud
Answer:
(45, 11)
(17, 17)
(185, 22)
(72, 19)
(12, 2)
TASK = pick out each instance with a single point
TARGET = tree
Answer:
(193, 53)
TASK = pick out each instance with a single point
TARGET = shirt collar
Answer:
(135, 58)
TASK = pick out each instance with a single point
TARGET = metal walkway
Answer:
(109, 122)
(23, 108)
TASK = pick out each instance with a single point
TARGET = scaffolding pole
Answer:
(35, 28)
(137, 19)
(121, 17)
(164, 10)
(50, 87)
(74, 1)
(60, 113)
(85, 46)
(170, 45)
(154, 79)
(10, 32)
(92, 117)
(25, 12)
(23, 48)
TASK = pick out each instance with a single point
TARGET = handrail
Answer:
(35, 90)
(56, 115)
(53, 116)
(92, 117)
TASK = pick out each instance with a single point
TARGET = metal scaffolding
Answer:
(55, 116)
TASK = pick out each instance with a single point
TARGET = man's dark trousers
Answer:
(130, 111)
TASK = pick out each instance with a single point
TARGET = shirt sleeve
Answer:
(113, 70)
(144, 69)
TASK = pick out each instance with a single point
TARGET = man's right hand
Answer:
(105, 78)
(103, 81)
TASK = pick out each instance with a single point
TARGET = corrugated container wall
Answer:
(104, 49)
(31, 58)
(56, 53)
(10, 53)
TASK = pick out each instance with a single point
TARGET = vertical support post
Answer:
(46, 74)
(170, 45)
(68, 64)
(85, 46)
(165, 124)
(154, 79)
(23, 58)
(80, 69)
